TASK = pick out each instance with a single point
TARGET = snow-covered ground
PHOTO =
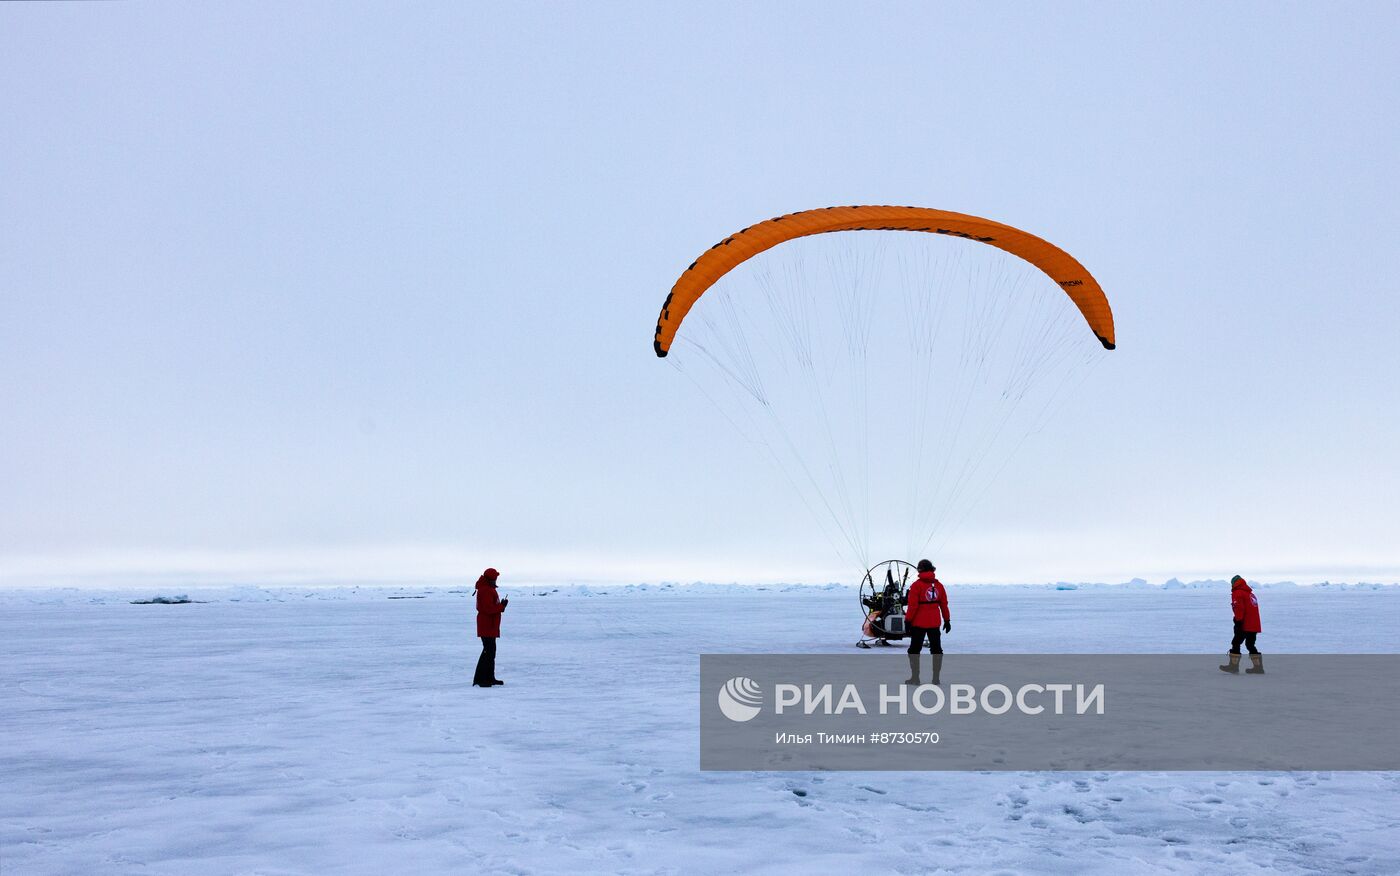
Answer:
(320, 731)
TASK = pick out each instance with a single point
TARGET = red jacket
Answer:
(488, 609)
(1245, 605)
(927, 605)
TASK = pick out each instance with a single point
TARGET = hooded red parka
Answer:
(488, 606)
(927, 605)
(1245, 606)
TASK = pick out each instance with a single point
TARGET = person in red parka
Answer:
(489, 606)
(925, 611)
(1245, 607)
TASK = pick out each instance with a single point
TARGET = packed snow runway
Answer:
(316, 731)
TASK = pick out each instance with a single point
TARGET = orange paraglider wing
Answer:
(719, 259)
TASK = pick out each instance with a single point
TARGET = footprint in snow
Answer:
(1077, 814)
(801, 795)
(863, 834)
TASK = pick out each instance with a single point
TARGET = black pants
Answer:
(486, 664)
(1242, 636)
(916, 639)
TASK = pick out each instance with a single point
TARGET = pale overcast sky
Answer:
(341, 291)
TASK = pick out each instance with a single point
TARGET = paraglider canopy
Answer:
(719, 259)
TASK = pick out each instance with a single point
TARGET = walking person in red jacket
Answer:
(925, 611)
(1245, 606)
(489, 606)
